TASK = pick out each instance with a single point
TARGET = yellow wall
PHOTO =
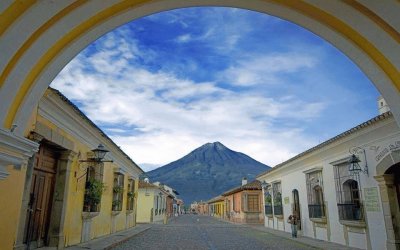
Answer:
(11, 190)
(144, 205)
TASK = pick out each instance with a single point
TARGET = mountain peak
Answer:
(207, 171)
(216, 145)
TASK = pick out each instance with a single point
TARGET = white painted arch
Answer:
(38, 38)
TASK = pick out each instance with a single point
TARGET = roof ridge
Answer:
(360, 126)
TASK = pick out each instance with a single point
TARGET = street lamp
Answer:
(98, 154)
(354, 166)
(264, 184)
(98, 157)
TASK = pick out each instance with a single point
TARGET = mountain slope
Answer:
(207, 172)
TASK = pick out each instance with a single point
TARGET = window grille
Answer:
(93, 188)
(277, 193)
(130, 195)
(315, 194)
(348, 194)
(268, 200)
(118, 192)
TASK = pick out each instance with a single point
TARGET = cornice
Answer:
(14, 150)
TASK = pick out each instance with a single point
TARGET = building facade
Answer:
(344, 190)
(243, 204)
(66, 195)
(216, 207)
(152, 203)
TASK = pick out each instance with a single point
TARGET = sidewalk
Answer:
(112, 240)
(301, 239)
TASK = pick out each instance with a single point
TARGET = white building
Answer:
(354, 208)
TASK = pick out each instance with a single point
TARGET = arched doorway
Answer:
(389, 185)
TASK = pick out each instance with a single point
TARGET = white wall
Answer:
(373, 138)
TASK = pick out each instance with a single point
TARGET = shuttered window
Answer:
(253, 203)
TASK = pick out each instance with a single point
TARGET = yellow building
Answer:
(152, 203)
(64, 194)
(216, 207)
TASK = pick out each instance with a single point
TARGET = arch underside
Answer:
(38, 38)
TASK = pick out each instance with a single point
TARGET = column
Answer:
(389, 206)
(59, 208)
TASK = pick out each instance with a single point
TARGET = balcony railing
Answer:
(316, 211)
(350, 211)
(268, 209)
(278, 210)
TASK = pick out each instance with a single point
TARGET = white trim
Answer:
(14, 150)
(340, 161)
(312, 170)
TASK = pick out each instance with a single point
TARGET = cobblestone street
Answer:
(204, 232)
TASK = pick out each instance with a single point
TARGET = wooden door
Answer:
(42, 188)
(296, 207)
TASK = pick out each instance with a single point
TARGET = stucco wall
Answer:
(374, 139)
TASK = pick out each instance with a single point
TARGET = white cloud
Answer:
(265, 69)
(184, 38)
(172, 116)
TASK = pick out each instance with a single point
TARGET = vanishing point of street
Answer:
(205, 232)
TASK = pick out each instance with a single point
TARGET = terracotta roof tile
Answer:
(254, 185)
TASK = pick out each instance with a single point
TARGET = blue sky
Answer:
(165, 84)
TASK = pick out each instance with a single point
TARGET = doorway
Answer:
(296, 207)
(41, 197)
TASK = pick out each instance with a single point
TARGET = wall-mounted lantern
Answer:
(354, 166)
(98, 157)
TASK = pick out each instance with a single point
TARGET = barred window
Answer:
(315, 194)
(94, 188)
(130, 195)
(348, 193)
(277, 193)
(118, 192)
(268, 200)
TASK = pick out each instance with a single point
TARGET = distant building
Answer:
(200, 207)
(243, 204)
(152, 203)
(216, 207)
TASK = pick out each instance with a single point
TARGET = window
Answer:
(277, 193)
(315, 194)
(348, 194)
(94, 188)
(118, 192)
(252, 203)
(130, 195)
(268, 201)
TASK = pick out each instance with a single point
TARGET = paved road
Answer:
(204, 232)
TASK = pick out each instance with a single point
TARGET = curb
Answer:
(119, 242)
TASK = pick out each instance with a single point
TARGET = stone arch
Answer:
(387, 162)
(55, 31)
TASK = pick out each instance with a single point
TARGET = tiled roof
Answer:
(143, 184)
(368, 123)
(254, 185)
(215, 199)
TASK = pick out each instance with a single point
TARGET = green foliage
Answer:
(93, 192)
(118, 189)
(268, 199)
(116, 203)
(130, 194)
